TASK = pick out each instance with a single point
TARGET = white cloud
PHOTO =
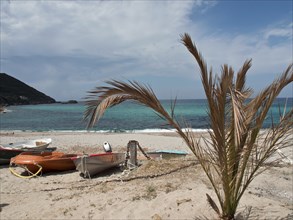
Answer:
(267, 57)
(81, 42)
(285, 31)
(93, 27)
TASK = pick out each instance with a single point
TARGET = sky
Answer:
(65, 48)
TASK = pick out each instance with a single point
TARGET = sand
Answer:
(165, 189)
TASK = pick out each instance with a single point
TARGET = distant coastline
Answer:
(68, 102)
(16, 92)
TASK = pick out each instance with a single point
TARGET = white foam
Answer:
(150, 130)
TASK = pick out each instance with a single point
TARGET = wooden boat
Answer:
(37, 144)
(166, 154)
(7, 153)
(43, 162)
(90, 165)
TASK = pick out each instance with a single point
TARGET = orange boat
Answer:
(43, 162)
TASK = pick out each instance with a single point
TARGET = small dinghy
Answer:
(166, 154)
(38, 144)
(90, 165)
(43, 162)
(7, 153)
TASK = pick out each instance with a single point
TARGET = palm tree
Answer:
(237, 149)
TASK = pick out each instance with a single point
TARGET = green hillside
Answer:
(15, 92)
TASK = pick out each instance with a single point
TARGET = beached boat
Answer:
(37, 144)
(166, 154)
(90, 165)
(43, 162)
(7, 153)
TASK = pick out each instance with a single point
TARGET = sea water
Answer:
(126, 117)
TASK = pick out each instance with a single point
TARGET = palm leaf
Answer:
(232, 154)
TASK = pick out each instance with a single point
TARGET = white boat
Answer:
(7, 151)
(37, 144)
(166, 154)
(90, 165)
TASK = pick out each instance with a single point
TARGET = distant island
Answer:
(69, 102)
(15, 92)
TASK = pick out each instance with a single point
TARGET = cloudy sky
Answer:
(66, 48)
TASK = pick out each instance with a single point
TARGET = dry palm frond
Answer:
(104, 97)
(236, 125)
(237, 148)
(213, 204)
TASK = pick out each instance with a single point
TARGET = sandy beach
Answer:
(163, 189)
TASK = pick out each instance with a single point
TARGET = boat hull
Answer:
(7, 154)
(166, 154)
(49, 161)
(90, 165)
(4, 161)
(38, 144)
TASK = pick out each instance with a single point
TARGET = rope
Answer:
(26, 177)
(84, 166)
(142, 151)
(117, 179)
(154, 175)
(128, 156)
(121, 179)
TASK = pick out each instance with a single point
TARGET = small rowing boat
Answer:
(166, 154)
(43, 162)
(90, 165)
(7, 151)
(37, 144)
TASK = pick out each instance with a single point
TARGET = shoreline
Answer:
(152, 131)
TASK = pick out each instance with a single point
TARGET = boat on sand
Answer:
(90, 165)
(43, 162)
(37, 144)
(7, 151)
(167, 154)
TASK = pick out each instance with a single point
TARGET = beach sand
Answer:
(165, 189)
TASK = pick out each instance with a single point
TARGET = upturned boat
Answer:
(90, 165)
(43, 162)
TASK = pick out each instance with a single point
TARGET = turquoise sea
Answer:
(127, 117)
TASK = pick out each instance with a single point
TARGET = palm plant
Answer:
(237, 149)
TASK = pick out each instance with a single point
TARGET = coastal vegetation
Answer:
(237, 149)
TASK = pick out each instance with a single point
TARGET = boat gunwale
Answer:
(95, 155)
(23, 145)
(38, 158)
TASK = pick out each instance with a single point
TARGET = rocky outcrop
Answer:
(15, 92)
(70, 102)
